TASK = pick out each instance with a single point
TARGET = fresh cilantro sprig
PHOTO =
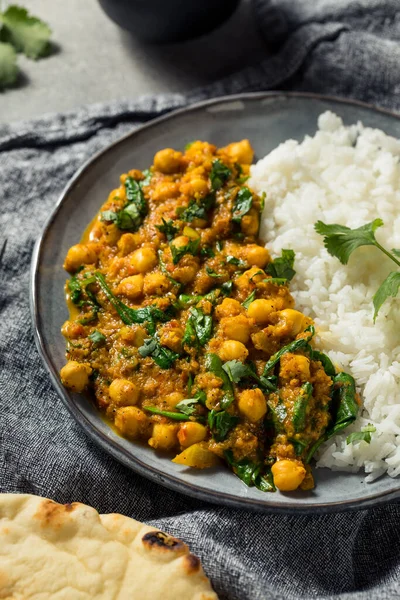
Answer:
(341, 241)
(363, 435)
(20, 32)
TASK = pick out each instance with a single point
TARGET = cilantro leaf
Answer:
(219, 174)
(238, 262)
(341, 241)
(363, 435)
(26, 33)
(8, 65)
(226, 288)
(168, 229)
(389, 288)
(207, 251)
(236, 370)
(177, 252)
(131, 216)
(242, 205)
(211, 273)
(282, 267)
(250, 298)
(188, 406)
(97, 338)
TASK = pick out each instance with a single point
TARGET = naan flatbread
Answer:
(70, 552)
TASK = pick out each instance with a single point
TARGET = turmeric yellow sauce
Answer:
(184, 328)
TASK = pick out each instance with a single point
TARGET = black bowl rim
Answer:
(108, 445)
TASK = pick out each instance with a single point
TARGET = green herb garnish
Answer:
(363, 435)
(220, 424)
(97, 338)
(282, 267)
(191, 247)
(242, 205)
(341, 241)
(250, 298)
(219, 174)
(164, 357)
(238, 262)
(198, 328)
(251, 473)
(168, 228)
(211, 273)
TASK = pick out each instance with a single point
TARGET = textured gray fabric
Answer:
(336, 47)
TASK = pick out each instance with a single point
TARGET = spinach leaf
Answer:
(214, 364)
(97, 338)
(250, 298)
(226, 288)
(190, 248)
(219, 174)
(198, 328)
(300, 407)
(207, 251)
(363, 435)
(163, 357)
(135, 195)
(299, 446)
(75, 289)
(282, 267)
(168, 228)
(147, 177)
(186, 300)
(344, 409)
(131, 216)
(325, 361)
(275, 280)
(219, 245)
(166, 413)
(250, 473)
(292, 347)
(220, 424)
(242, 205)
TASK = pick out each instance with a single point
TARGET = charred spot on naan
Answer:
(191, 564)
(161, 542)
(52, 514)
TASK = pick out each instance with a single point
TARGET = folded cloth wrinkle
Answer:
(336, 47)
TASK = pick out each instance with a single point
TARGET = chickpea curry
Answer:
(183, 326)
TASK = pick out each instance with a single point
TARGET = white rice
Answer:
(346, 175)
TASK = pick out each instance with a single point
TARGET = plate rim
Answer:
(107, 444)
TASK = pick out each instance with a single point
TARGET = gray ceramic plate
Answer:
(266, 119)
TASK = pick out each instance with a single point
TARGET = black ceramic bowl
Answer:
(168, 20)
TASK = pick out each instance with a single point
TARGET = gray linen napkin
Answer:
(331, 46)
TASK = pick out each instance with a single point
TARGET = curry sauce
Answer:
(184, 327)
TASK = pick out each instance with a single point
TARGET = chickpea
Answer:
(156, 283)
(195, 187)
(144, 259)
(131, 421)
(294, 320)
(191, 433)
(174, 398)
(256, 255)
(252, 404)
(75, 375)
(164, 436)
(251, 222)
(228, 308)
(236, 328)
(288, 475)
(133, 335)
(128, 242)
(168, 160)
(233, 350)
(123, 392)
(80, 254)
(255, 274)
(72, 330)
(240, 152)
(295, 366)
(260, 310)
(164, 190)
(181, 241)
(131, 287)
